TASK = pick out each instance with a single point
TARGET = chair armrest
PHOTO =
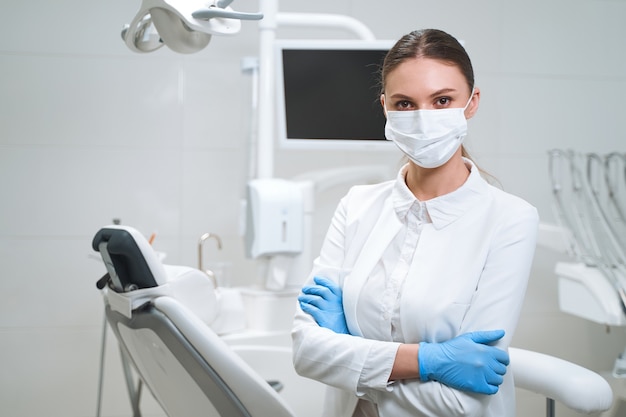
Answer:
(572, 385)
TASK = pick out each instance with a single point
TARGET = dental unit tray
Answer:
(162, 317)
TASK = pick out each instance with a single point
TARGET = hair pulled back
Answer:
(428, 43)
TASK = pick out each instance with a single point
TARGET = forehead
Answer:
(424, 75)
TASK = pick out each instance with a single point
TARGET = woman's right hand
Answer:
(324, 302)
(466, 362)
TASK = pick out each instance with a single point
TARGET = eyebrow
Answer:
(433, 95)
(442, 91)
(401, 96)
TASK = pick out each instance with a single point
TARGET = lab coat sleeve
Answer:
(499, 295)
(344, 361)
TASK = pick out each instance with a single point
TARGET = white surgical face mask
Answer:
(428, 137)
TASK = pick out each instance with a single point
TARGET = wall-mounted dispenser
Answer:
(274, 217)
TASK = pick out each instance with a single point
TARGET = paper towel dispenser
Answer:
(274, 217)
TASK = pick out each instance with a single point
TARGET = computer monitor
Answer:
(328, 94)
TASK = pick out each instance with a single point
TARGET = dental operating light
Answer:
(184, 26)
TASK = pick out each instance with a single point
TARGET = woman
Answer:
(417, 291)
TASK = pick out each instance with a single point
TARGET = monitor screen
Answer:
(328, 94)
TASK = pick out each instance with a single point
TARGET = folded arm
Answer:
(466, 362)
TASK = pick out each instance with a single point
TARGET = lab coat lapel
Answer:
(384, 230)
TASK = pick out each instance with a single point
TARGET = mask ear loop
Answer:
(470, 99)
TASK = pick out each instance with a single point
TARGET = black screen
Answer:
(333, 94)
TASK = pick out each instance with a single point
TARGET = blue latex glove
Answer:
(466, 362)
(324, 302)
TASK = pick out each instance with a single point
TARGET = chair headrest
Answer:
(129, 259)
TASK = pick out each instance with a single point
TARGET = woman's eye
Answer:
(443, 101)
(404, 105)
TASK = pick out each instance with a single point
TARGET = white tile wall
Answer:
(90, 131)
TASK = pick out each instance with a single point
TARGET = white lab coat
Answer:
(469, 273)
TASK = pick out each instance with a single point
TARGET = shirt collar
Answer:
(445, 209)
(403, 198)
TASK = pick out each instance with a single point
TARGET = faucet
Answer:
(203, 238)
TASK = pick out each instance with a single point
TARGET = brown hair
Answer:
(428, 43)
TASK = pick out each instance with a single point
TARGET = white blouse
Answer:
(379, 303)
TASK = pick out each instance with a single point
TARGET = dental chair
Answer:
(189, 369)
(167, 323)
